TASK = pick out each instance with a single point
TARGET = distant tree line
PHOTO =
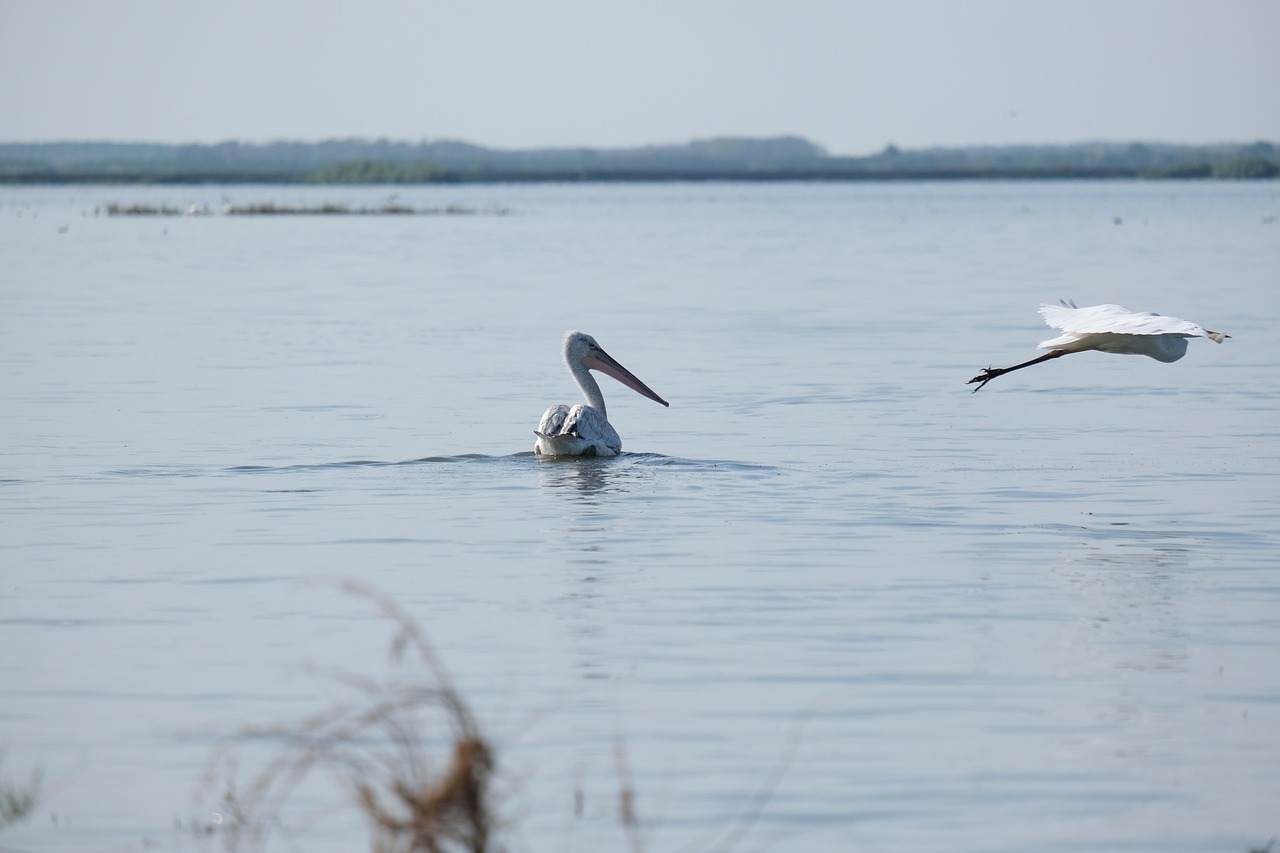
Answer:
(377, 172)
(780, 158)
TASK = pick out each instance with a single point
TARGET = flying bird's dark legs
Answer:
(989, 373)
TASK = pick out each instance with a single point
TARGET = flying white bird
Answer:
(1109, 328)
(585, 430)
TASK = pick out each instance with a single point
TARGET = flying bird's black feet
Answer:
(987, 374)
(990, 373)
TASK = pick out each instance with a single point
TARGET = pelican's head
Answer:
(582, 349)
(577, 345)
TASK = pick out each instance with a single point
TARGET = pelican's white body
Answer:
(576, 431)
(1111, 328)
(585, 430)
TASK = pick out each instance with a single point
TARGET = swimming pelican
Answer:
(585, 430)
(1109, 328)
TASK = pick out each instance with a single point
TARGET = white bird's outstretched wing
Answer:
(1076, 323)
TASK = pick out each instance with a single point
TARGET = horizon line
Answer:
(638, 146)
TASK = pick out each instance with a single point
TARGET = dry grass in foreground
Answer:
(18, 801)
(414, 761)
(418, 790)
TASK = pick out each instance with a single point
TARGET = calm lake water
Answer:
(1045, 616)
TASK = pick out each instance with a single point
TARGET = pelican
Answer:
(1109, 328)
(585, 430)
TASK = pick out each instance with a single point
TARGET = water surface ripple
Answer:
(1041, 616)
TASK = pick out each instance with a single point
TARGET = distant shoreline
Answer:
(788, 158)
(197, 178)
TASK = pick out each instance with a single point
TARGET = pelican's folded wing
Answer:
(553, 420)
(588, 423)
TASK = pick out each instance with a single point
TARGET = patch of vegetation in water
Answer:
(271, 208)
(115, 209)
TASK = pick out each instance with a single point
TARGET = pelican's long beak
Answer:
(606, 363)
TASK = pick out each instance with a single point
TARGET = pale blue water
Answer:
(1039, 617)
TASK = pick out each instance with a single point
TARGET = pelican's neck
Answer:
(590, 388)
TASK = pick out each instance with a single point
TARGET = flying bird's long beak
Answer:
(607, 364)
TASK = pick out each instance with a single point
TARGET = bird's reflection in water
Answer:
(587, 538)
(1128, 584)
(1128, 634)
(589, 477)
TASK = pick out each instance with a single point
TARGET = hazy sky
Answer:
(852, 76)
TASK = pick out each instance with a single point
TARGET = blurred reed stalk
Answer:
(419, 791)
